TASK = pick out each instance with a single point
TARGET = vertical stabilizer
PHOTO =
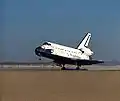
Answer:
(85, 41)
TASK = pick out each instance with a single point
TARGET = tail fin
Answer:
(85, 41)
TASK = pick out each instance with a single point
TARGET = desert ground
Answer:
(39, 85)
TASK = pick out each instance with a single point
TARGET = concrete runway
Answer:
(41, 85)
(42, 67)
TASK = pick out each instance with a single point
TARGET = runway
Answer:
(43, 67)
(24, 83)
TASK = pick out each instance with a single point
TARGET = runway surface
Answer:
(38, 84)
(43, 67)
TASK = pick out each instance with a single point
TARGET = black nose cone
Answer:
(37, 51)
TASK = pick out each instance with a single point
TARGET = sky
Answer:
(27, 23)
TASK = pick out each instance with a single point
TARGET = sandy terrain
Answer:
(59, 86)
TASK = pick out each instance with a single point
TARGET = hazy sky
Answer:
(26, 23)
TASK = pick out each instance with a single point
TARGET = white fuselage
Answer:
(68, 52)
(61, 55)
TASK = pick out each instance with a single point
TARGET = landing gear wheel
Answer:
(77, 68)
(63, 68)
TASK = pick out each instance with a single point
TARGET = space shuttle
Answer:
(61, 54)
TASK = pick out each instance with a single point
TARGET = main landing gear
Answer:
(77, 68)
(63, 67)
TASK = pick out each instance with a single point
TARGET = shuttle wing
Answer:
(88, 62)
(65, 60)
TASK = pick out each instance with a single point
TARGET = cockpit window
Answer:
(46, 43)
